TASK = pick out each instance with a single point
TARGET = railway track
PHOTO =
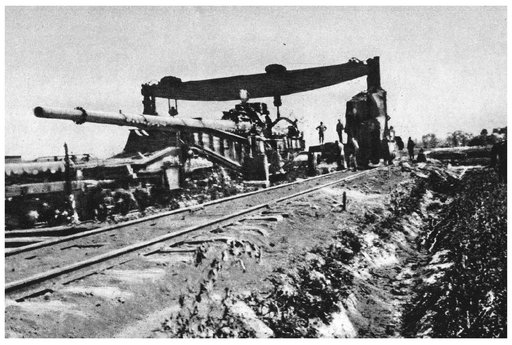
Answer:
(76, 234)
(44, 266)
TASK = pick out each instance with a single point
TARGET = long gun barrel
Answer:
(79, 116)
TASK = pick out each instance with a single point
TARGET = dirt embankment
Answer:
(402, 265)
(463, 290)
(353, 279)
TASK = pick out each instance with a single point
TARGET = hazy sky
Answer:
(443, 68)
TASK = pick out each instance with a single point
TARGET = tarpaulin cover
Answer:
(34, 168)
(261, 85)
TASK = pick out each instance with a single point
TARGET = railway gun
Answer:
(164, 150)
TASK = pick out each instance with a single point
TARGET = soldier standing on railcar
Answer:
(321, 130)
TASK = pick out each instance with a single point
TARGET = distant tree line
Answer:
(461, 138)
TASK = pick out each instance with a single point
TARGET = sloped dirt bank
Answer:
(463, 287)
(359, 285)
(354, 283)
(426, 258)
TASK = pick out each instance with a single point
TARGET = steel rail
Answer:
(39, 278)
(18, 250)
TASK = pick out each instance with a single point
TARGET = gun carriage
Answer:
(161, 148)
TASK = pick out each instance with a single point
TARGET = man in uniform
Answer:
(499, 159)
(351, 149)
(321, 130)
(410, 148)
(340, 156)
(421, 157)
(339, 130)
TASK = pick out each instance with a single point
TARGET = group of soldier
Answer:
(349, 147)
(322, 129)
